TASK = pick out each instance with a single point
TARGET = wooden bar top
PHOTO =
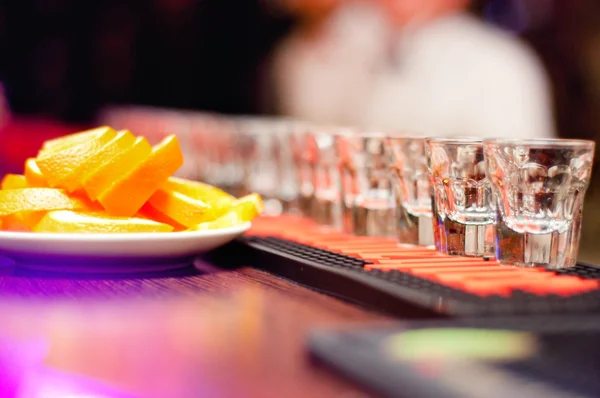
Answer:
(215, 333)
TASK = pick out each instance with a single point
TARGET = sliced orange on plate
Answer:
(195, 189)
(34, 175)
(228, 220)
(179, 207)
(121, 142)
(23, 221)
(101, 179)
(59, 166)
(150, 213)
(131, 191)
(14, 181)
(65, 221)
(248, 207)
(36, 199)
(60, 143)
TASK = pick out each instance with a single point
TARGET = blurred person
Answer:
(323, 70)
(450, 74)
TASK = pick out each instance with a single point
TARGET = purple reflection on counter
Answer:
(49, 383)
(23, 375)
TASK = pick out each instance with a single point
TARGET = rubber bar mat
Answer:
(415, 281)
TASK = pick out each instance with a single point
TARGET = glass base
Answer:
(467, 240)
(377, 221)
(415, 229)
(554, 250)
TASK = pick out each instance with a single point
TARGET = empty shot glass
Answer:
(303, 156)
(326, 202)
(408, 170)
(539, 187)
(367, 196)
(463, 207)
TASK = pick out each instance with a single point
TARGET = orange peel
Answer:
(101, 179)
(35, 177)
(14, 181)
(181, 208)
(248, 207)
(59, 166)
(150, 213)
(66, 221)
(121, 142)
(36, 199)
(66, 141)
(195, 189)
(228, 220)
(129, 193)
(24, 221)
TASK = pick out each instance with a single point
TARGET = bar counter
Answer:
(203, 332)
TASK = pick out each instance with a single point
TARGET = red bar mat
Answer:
(410, 279)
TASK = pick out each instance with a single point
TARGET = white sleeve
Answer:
(513, 97)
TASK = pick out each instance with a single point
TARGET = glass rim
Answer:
(392, 137)
(455, 140)
(540, 142)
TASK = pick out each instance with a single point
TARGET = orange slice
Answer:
(248, 207)
(228, 220)
(36, 199)
(66, 221)
(122, 141)
(59, 166)
(34, 176)
(150, 213)
(24, 221)
(108, 173)
(181, 208)
(72, 139)
(195, 189)
(14, 181)
(129, 194)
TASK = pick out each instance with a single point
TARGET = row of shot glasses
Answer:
(519, 201)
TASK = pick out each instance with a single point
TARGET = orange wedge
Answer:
(34, 176)
(108, 173)
(59, 166)
(72, 139)
(14, 181)
(150, 213)
(66, 221)
(122, 141)
(36, 199)
(24, 221)
(195, 189)
(228, 220)
(129, 193)
(181, 208)
(248, 207)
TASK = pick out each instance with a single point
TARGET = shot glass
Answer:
(259, 139)
(408, 171)
(368, 203)
(326, 201)
(463, 207)
(539, 187)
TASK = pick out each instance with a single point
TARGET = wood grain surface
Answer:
(214, 333)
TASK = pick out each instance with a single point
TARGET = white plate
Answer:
(131, 252)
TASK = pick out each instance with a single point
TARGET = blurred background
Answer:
(61, 61)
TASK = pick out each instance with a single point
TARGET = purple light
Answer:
(23, 375)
